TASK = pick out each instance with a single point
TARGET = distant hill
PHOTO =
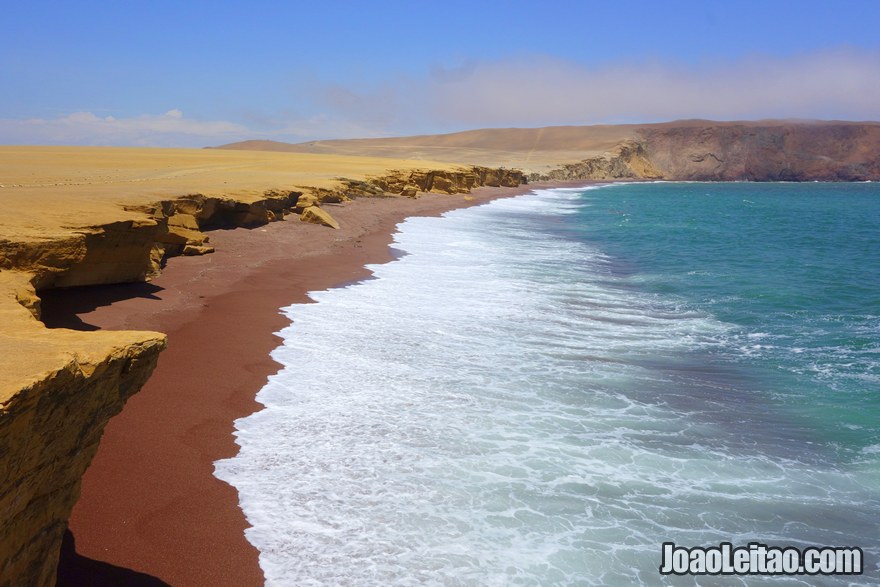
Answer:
(531, 148)
(767, 150)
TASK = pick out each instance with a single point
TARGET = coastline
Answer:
(80, 216)
(150, 508)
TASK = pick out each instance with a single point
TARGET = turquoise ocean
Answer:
(544, 389)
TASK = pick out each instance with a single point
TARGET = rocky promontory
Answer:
(770, 151)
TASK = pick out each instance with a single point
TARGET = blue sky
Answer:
(204, 73)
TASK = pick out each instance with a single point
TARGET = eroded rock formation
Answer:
(629, 160)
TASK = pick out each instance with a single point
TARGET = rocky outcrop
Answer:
(181, 222)
(460, 181)
(52, 421)
(629, 160)
(355, 188)
(403, 183)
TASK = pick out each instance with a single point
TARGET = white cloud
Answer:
(839, 84)
(538, 91)
(85, 128)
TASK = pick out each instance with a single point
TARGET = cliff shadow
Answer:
(75, 570)
(60, 308)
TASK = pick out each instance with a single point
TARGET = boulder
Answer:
(316, 215)
(195, 250)
(305, 201)
(410, 191)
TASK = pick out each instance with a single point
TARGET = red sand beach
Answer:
(151, 510)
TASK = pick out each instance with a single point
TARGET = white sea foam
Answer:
(498, 408)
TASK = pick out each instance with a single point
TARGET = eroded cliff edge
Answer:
(59, 388)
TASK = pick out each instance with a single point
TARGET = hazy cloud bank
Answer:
(171, 129)
(529, 91)
(85, 128)
(539, 91)
(839, 84)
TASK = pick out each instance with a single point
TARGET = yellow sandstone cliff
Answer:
(58, 388)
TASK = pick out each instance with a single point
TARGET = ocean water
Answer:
(543, 389)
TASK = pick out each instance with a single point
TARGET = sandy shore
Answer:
(151, 510)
